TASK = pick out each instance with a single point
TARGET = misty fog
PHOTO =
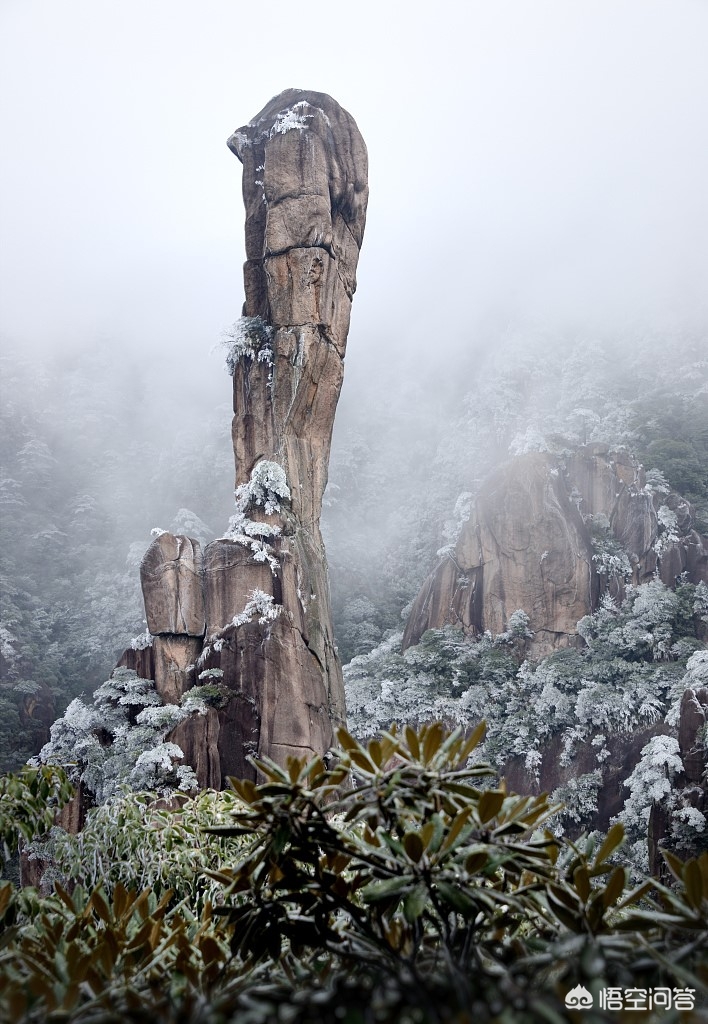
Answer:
(537, 182)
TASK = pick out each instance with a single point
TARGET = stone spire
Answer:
(305, 192)
(265, 621)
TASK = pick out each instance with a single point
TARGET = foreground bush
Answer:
(413, 895)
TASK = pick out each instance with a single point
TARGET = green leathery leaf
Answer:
(615, 887)
(377, 891)
(490, 804)
(414, 903)
(432, 736)
(612, 840)
(457, 898)
(413, 846)
(581, 878)
(694, 883)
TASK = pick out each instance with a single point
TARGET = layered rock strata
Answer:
(538, 538)
(251, 614)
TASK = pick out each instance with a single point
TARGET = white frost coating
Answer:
(287, 120)
(261, 604)
(118, 739)
(142, 642)
(152, 765)
(240, 141)
(668, 529)
(266, 489)
(268, 486)
(211, 673)
(656, 482)
(6, 641)
(532, 440)
(157, 531)
(250, 337)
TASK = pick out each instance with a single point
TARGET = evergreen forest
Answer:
(428, 890)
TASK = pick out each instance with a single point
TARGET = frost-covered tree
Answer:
(119, 738)
(651, 781)
(629, 676)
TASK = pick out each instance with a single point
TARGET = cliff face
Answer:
(251, 613)
(542, 536)
(549, 534)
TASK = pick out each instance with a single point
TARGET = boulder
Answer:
(525, 546)
(171, 579)
(230, 576)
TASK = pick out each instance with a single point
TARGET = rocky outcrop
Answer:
(524, 546)
(623, 751)
(541, 536)
(549, 533)
(253, 610)
(305, 191)
(171, 580)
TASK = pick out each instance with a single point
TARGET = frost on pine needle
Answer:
(267, 489)
(261, 604)
(142, 642)
(250, 337)
(119, 739)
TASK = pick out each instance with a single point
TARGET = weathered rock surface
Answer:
(171, 578)
(230, 575)
(198, 737)
(693, 741)
(528, 544)
(525, 546)
(140, 660)
(173, 665)
(305, 192)
(555, 772)
(535, 540)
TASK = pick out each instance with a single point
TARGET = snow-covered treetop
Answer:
(267, 487)
(261, 604)
(250, 337)
(119, 738)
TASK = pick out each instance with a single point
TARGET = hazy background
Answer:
(538, 210)
(543, 160)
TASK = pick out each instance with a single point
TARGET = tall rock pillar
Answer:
(268, 617)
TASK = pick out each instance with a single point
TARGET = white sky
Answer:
(528, 159)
